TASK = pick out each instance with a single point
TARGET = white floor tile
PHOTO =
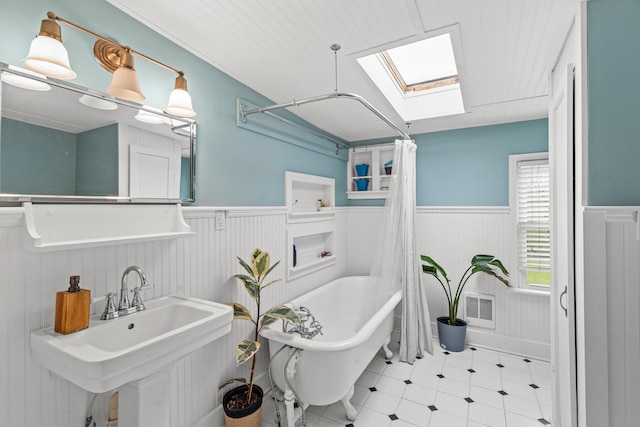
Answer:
(487, 415)
(420, 394)
(368, 379)
(486, 397)
(517, 420)
(450, 404)
(413, 413)
(516, 375)
(456, 373)
(401, 371)
(521, 406)
(443, 419)
(490, 382)
(369, 418)
(391, 386)
(382, 402)
(514, 362)
(519, 389)
(456, 388)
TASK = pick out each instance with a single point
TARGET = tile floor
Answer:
(473, 388)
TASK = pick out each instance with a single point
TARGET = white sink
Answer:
(114, 352)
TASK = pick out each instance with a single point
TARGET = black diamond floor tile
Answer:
(433, 408)
(502, 392)
(469, 400)
(440, 376)
(544, 422)
(393, 417)
(500, 365)
(373, 389)
(471, 370)
(533, 386)
(408, 382)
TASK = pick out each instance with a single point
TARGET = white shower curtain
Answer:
(396, 261)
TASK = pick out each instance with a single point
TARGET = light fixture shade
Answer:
(180, 100)
(49, 57)
(125, 85)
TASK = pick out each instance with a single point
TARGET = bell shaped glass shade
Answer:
(125, 85)
(180, 104)
(49, 57)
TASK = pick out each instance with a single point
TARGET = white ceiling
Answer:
(280, 48)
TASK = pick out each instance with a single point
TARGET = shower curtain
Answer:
(396, 260)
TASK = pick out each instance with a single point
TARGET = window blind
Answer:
(533, 209)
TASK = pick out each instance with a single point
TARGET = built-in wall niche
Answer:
(309, 197)
(310, 248)
(369, 171)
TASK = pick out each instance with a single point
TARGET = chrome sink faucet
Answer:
(124, 306)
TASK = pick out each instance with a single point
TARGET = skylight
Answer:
(419, 79)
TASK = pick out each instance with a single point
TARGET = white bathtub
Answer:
(357, 319)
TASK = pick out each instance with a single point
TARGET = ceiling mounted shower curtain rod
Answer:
(336, 95)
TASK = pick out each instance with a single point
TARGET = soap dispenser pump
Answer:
(72, 308)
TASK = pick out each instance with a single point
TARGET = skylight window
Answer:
(419, 79)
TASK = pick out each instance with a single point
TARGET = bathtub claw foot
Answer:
(351, 411)
(388, 354)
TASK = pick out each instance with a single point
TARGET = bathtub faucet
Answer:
(309, 327)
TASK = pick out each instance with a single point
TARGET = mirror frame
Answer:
(189, 125)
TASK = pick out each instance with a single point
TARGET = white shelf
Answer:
(375, 157)
(310, 240)
(302, 193)
(71, 226)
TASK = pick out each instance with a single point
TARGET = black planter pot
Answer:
(452, 336)
(245, 417)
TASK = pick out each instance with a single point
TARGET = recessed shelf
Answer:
(305, 245)
(303, 196)
(375, 157)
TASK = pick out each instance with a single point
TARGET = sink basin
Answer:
(111, 353)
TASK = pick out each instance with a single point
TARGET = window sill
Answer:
(528, 291)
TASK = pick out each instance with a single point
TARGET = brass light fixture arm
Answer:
(53, 16)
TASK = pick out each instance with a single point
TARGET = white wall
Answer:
(201, 266)
(452, 236)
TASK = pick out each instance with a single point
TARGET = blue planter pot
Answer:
(362, 184)
(452, 336)
(362, 169)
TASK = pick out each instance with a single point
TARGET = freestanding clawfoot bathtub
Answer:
(354, 318)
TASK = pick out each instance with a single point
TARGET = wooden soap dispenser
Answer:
(72, 308)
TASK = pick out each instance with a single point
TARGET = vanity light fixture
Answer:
(48, 56)
(24, 82)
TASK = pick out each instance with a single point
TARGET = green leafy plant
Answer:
(487, 264)
(254, 282)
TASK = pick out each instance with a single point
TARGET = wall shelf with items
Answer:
(367, 175)
(309, 198)
(309, 249)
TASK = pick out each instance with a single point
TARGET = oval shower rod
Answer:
(335, 95)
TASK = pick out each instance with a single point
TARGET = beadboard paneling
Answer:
(199, 266)
(452, 236)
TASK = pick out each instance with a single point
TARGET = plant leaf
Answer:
(240, 312)
(270, 283)
(250, 285)
(246, 349)
(235, 380)
(260, 262)
(434, 264)
(279, 312)
(271, 269)
(498, 264)
(247, 267)
(481, 259)
(486, 269)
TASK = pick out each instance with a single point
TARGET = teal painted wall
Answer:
(470, 167)
(28, 154)
(97, 162)
(235, 167)
(614, 128)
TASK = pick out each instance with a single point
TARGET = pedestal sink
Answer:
(137, 350)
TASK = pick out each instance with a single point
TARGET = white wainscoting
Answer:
(199, 266)
(611, 293)
(452, 236)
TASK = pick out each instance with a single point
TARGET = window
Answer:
(530, 204)
(420, 79)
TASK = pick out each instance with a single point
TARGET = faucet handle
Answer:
(136, 302)
(110, 310)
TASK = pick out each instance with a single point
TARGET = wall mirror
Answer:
(63, 142)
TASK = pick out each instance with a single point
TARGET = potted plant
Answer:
(451, 330)
(243, 404)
